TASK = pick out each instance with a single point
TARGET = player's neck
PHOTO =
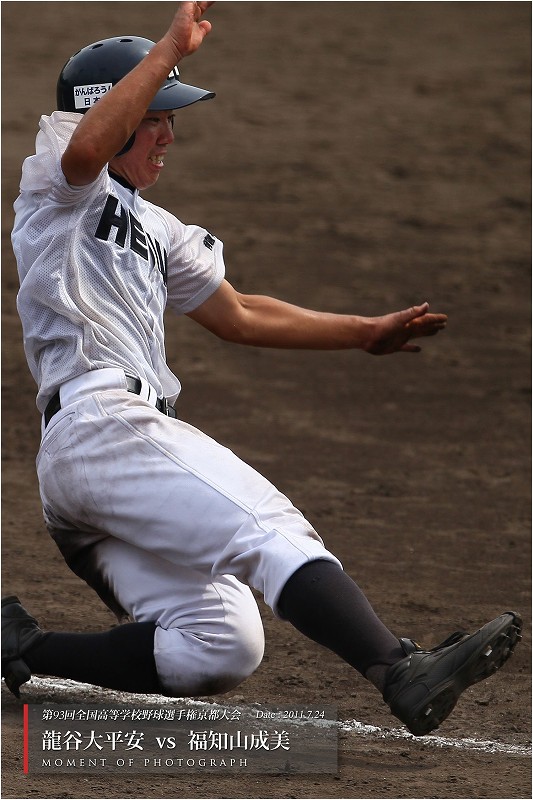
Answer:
(123, 181)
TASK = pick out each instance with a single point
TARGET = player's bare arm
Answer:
(107, 126)
(267, 322)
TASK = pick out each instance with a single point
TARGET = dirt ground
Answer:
(359, 157)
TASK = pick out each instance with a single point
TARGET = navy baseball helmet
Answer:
(94, 69)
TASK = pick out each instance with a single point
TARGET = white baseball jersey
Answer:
(98, 264)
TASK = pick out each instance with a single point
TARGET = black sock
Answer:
(326, 605)
(121, 658)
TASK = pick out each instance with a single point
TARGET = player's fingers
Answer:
(427, 325)
(201, 8)
(438, 320)
(205, 26)
(409, 314)
(415, 313)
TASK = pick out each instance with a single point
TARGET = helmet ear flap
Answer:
(127, 146)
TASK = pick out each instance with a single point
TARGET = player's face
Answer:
(141, 165)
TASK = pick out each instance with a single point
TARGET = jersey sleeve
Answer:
(42, 173)
(195, 267)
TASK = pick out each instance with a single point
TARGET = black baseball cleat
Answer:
(20, 632)
(423, 688)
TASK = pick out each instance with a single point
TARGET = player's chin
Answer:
(148, 181)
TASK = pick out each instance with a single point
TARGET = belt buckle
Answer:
(167, 409)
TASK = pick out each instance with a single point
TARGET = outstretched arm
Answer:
(266, 322)
(108, 124)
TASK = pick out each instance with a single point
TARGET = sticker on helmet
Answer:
(86, 96)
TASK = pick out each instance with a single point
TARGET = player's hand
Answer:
(188, 30)
(392, 333)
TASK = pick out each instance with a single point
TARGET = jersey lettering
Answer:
(209, 241)
(110, 220)
(127, 225)
(159, 256)
(137, 238)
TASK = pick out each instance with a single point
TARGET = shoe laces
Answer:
(409, 646)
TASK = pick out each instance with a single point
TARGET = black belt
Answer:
(133, 385)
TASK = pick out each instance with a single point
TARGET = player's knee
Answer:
(207, 666)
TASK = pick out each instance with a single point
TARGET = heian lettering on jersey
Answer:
(128, 228)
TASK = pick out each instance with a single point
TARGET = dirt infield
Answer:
(359, 157)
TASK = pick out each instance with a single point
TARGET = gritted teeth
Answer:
(156, 159)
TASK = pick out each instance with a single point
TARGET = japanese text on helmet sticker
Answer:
(86, 96)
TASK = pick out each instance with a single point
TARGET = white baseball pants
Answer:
(171, 526)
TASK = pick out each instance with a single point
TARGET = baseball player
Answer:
(169, 527)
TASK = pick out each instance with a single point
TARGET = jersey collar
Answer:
(122, 181)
